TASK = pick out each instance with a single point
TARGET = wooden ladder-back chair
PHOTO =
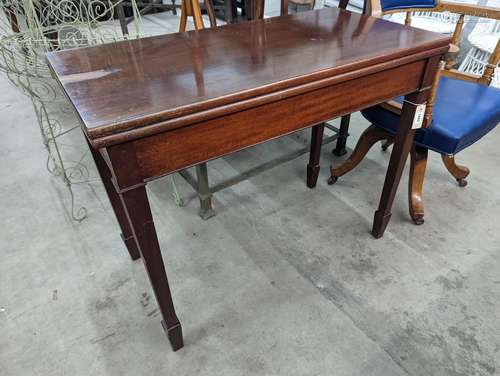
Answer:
(462, 109)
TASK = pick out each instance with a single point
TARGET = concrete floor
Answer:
(283, 281)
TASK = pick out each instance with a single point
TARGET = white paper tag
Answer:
(419, 117)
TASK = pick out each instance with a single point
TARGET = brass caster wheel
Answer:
(462, 182)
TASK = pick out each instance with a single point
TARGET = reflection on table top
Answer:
(117, 86)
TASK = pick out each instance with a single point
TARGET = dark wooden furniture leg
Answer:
(418, 158)
(136, 204)
(314, 154)
(459, 172)
(116, 204)
(402, 145)
(369, 137)
(342, 136)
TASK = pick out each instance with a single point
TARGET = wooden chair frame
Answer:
(419, 154)
(373, 8)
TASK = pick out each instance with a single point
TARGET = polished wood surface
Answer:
(154, 106)
(208, 69)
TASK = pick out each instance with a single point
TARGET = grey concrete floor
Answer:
(283, 281)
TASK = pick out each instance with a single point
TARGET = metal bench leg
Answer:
(204, 193)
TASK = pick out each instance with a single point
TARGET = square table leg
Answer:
(133, 213)
(116, 204)
(136, 205)
(403, 142)
(315, 154)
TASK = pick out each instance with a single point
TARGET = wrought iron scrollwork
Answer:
(31, 28)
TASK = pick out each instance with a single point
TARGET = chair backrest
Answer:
(378, 8)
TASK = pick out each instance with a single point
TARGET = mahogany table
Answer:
(153, 106)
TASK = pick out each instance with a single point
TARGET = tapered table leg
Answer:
(116, 204)
(136, 204)
(402, 145)
(314, 155)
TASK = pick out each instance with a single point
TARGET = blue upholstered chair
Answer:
(463, 107)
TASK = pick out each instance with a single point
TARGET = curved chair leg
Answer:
(386, 144)
(418, 163)
(369, 137)
(459, 172)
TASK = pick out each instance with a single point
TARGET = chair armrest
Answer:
(453, 73)
(469, 10)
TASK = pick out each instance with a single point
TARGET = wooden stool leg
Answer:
(342, 136)
(369, 137)
(417, 174)
(116, 204)
(184, 15)
(136, 204)
(459, 172)
(198, 20)
(314, 155)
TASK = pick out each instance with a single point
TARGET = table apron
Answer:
(167, 152)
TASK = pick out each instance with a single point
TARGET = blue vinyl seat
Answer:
(464, 107)
(388, 5)
(463, 113)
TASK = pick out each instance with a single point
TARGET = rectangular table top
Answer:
(132, 84)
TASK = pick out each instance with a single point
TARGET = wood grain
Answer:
(207, 69)
(171, 151)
